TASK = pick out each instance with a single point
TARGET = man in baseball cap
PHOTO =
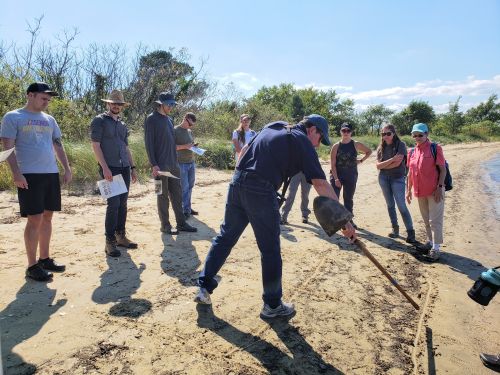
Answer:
(37, 87)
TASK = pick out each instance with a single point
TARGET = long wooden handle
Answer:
(363, 248)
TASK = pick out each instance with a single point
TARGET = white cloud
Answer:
(241, 80)
(337, 88)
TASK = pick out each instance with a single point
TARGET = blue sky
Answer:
(376, 52)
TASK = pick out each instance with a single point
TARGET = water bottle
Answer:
(486, 286)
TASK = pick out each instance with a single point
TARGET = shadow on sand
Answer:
(303, 359)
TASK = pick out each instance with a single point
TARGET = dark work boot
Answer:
(111, 248)
(122, 240)
(411, 236)
(395, 232)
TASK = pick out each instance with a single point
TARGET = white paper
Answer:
(166, 174)
(197, 150)
(113, 188)
(5, 154)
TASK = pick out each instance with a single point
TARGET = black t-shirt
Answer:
(274, 154)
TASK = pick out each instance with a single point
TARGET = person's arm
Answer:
(390, 163)
(63, 159)
(324, 189)
(360, 147)
(438, 193)
(19, 179)
(409, 183)
(237, 146)
(150, 146)
(96, 147)
(133, 172)
(333, 164)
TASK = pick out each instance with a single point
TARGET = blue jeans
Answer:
(253, 200)
(116, 211)
(187, 183)
(394, 193)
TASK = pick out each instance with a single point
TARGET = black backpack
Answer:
(448, 180)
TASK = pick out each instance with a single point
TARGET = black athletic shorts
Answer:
(43, 193)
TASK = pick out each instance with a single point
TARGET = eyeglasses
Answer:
(386, 134)
(417, 135)
(345, 130)
(118, 104)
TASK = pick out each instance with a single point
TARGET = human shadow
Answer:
(179, 257)
(22, 319)
(118, 283)
(455, 262)
(304, 360)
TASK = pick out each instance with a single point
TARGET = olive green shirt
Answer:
(182, 137)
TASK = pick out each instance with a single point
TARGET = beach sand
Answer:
(136, 315)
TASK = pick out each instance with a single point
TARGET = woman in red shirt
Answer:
(426, 177)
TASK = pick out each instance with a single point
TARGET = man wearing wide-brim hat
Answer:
(109, 136)
(160, 144)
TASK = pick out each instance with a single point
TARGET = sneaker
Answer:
(193, 212)
(203, 297)
(37, 273)
(284, 309)
(49, 265)
(423, 248)
(305, 220)
(122, 240)
(169, 230)
(434, 255)
(186, 228)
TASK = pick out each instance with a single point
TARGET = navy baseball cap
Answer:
(166, 99)
(321, 124)
(41, 87)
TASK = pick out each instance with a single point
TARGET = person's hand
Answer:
(20, 181)
(134, 176)
(338, 183)
(349, 232)
(108, 176)
(438, 194)
(68, 176)
(156, 169)
(408, 196)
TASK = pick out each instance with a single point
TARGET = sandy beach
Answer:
(136, 315)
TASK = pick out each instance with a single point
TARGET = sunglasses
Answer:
(386, 134)
(345, 130)
(417, 135)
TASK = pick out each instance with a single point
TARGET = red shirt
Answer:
(422, 168)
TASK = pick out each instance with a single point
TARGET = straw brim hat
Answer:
(116, 97)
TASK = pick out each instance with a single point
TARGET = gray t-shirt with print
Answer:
(34, 133)
(391, 150)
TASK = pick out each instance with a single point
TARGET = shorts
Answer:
(43, 193)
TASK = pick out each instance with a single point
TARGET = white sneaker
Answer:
(284, 309)
(203, 297)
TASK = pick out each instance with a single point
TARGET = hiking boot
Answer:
(283, 310)
(186, 228)
(305, 220)
(411, 236)
(203, 297)
(48, 264)
(193, 212)
(395, 232)
(37, 273)
(122, 240)
(111, 249)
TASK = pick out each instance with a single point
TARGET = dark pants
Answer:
(116, 211)
(348, 178)
(251, 200)
(170, 191)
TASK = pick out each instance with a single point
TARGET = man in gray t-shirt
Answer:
(37, 141)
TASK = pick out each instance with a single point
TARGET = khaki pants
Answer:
(433, 214)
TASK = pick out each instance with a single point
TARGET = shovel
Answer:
(332, 217)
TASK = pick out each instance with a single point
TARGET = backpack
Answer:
(448, 180)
